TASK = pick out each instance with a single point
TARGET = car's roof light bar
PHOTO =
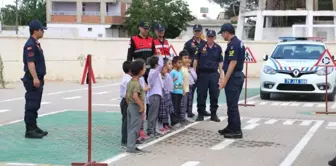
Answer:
(285, 39)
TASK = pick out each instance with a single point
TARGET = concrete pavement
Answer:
(283, 131)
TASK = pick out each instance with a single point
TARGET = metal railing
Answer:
(115, 13)
(64, 13)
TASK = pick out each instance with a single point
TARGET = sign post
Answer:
(326, 61)
(249, 58)
(88, 75)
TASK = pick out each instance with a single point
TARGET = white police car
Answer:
(291, 69)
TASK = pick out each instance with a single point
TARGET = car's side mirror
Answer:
(265, 57)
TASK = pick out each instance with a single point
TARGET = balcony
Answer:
(64, 12)
(91, 12)
(115, 13)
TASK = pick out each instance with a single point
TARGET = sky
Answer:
(214, 9)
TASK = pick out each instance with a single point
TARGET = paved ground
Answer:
(283, 131)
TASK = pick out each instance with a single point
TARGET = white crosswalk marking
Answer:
(191, 163)
(100, 93)
(295, 104)
(289, 122)
(321, 105)
(251, 126)
(45, 102)
(2, 111)
(254, 120)
(276, 103)
(306, 123)
(308, 105)
(271, 121)
(223, 144)
(71, 98)
(284, 104)
(263, 103)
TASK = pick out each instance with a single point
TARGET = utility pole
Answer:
(16, 17)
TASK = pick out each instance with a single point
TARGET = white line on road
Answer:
(308, 105)
(333, 106)
(107, 105)
(306, 123)
(2, 111)
(251, 126)
(71, 98)
(116, 98)
(251, 102)
(271, 121)
(23, 164)
(289, 122)
(254, 120)
(60, 92)
(276, 103)
(321, 105)
(295, 104)
(191, 163)
(285, 104)
(223, 144)
(100, 93)
(45, 102)
(332, 124)
(263, 103)
(302, 143)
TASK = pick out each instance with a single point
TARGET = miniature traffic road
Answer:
(282, 131)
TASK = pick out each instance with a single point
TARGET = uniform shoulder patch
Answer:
(241, 44)
(29, 48)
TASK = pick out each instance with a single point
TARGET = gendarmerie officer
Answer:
(208, 60)
(33, 79)
(141, 46)
(233, 80)
(160, 43)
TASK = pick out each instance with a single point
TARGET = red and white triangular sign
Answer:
(172, 51)
(325, 59)
(249, 58)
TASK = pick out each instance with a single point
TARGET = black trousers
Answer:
(123, 108)
(33, 98)
(175, 117)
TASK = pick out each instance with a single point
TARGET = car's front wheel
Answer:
(331, 96)
(265, 95)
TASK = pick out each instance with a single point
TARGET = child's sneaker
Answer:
(143, 135)
(166, 127)
(163, 130)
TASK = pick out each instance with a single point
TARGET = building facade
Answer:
(308, 19)
(91, 18)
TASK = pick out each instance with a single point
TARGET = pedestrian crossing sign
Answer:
(172, 51)
(326, 59)
(249, 58)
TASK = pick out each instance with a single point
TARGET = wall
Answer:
(65, 57)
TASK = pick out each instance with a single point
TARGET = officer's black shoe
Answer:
(205, 113)
(214, 118)
(200, 118)
(223, 131)
(44, 133)
(34, 134)
(332, 162)
(234, 135)
(191, 115)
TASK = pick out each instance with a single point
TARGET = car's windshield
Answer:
(298, 51)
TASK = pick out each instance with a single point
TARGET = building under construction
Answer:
(289, 18)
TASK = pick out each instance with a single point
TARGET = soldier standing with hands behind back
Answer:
(33, 79)
(233, 80)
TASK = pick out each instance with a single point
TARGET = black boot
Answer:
(223, 131)
(191, 115)
(332, 162)
(234, 134)
(44, 133)
(31, 132)
(200, 117)
(205, 113)
(214, 117)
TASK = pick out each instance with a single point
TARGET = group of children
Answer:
(167, 94)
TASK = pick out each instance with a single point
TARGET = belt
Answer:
(205, 70)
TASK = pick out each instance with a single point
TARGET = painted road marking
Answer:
(309, 105)
(45, 102)
(294, 104)
(116, 98)
(263, 103)
(251, 102)
(61, 92)
(321, 105)
(254, 120)
(276, 103)
(333, 106)
(223, 144)
(289, 122)
(306, 123)
(331, 125)
(71, 98)
(285, 104)
(23, 164)
(107, 105)
(2, 111)
(100, 93)
(271, 121)
(251, 126)
(302, 143)
(191, 163)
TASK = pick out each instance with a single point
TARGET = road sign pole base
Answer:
(326, 113)
(93, 163)
(247, 105)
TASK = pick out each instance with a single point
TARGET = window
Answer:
(298, 51)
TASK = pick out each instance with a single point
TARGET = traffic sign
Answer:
(172, 51)
(249, 58)
(326, 59)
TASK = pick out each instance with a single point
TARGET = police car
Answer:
(291, 69)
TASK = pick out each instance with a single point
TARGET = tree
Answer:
(27, 11)
(173, 14)
(232, 6)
